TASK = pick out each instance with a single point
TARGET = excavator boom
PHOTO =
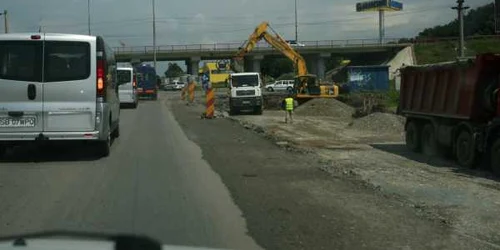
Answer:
(306, 84)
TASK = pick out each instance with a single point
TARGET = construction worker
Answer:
(288, 105)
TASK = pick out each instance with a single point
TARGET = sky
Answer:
(129, 22)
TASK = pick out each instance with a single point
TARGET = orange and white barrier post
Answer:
(210, 108)
(191, 89)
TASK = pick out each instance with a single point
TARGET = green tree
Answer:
(479, 21)
(276, 67)
(174, 70)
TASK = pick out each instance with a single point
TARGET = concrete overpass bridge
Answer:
(315, 52)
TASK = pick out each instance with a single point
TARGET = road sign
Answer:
(376, 5)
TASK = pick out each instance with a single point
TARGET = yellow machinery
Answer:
(306, 85)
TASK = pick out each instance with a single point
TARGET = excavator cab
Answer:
(308, 86)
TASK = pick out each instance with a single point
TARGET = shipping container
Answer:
(454, 107)
(368, 78)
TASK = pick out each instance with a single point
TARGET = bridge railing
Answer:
(324, 44)
(260, 46)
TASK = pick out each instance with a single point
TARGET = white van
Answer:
(127, 86)
(57, 87)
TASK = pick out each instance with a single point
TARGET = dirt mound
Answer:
(326, 107)
(380, 123)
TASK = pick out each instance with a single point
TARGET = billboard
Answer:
(497, 16)
(376, 5)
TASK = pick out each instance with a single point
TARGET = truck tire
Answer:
(233, 111)
(429, 142)
(258, 110)
(495, 157)
(412, 136)
(465, 151)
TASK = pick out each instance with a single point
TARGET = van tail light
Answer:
(134, 82)
(100, 79)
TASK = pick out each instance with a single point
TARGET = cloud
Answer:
(188, 21)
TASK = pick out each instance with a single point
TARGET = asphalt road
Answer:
(155, 183)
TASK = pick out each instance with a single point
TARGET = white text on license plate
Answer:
(17, 122)
(246, 102)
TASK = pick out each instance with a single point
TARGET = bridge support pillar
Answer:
(193, 65)
(316, 64)
(252, 63)
(321, 70)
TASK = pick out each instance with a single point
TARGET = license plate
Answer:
(246, 102)
(14, 122)
(139, 89)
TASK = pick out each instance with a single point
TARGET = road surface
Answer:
(155, 182)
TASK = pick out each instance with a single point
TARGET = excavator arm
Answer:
(306, 85)
(276, 42)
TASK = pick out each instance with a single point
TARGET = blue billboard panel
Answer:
(368, 78)
(375, 5)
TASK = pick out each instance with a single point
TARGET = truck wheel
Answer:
(258, 110)
(495, 157)
(413, 137)
(465, 151)
(429, 142)
(233, 111)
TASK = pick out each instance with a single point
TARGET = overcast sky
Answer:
(194, 21)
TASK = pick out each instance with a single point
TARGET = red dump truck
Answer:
(454, 107)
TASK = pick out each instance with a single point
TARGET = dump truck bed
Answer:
(461, 90)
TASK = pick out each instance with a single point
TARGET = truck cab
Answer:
(245, 93)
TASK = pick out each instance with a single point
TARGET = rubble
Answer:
(326, 107)
(380, 123)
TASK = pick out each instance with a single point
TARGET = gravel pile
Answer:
(326, 107)
(380, 123)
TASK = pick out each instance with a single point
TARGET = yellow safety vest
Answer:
(289, 104)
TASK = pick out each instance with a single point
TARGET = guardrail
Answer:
(325, 44)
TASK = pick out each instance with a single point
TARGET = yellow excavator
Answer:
(306, 85)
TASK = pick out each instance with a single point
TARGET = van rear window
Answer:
(21, 61)
(124, 76)
(66, 61)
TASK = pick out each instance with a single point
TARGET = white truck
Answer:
(245, 93)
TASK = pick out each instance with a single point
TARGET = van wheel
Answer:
(429, 142)
(495, 157)
(134, 106)
(412, 136)
(270, 89)
(3, 149)
(116, 132)
(465, 152)
(104, 147)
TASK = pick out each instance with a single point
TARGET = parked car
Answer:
(175, 85)
(57, 87)
(127, 86)
(280, 85)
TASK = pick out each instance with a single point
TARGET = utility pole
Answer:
(381, 26)
(154, 35)
(296, 24)
(6, 21)
(88, 15)
(461, 41)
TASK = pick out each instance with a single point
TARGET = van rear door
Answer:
(69, 83)
(21, 88)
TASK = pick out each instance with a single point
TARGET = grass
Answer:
(446, 51)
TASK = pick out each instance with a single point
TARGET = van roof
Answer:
(58, 36)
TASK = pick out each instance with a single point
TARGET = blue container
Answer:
(368, 78)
